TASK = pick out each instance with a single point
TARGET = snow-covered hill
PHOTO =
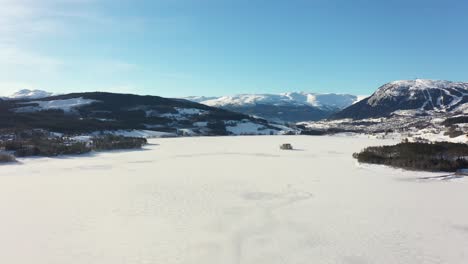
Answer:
(285, 107)
(411, 97)
(84, 113)
(323, 101)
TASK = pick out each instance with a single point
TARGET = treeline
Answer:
(47, 147)
(112, 142)
(439, 156)
(56, 146)
(455, 120)
(454, 131)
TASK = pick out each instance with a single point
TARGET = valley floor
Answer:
(230, 200)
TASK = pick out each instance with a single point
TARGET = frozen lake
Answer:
(224, 200)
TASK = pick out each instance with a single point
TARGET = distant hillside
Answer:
(286, 107)
(89, 112)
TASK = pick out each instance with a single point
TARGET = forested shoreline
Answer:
(39, 144)
(438, 156)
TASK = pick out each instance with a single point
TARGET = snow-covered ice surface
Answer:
(230, 200)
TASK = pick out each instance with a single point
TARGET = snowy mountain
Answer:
(323, 101)
(286, 107)
(418, 110)
(199, 99)
(28, 94)
(410, 98)
(84, 113)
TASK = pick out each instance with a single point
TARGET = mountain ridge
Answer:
(320, 100)
(283, 107)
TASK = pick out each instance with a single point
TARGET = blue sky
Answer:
(217, 47)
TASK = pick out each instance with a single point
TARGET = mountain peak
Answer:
(418, 89)
(420, 95)
(29, 94)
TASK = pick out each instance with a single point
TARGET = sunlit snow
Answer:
(66, 105)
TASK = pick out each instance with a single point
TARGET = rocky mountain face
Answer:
(286, 107)
(82, 113)
(411, 98)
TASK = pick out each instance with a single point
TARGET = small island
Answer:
(437, 156)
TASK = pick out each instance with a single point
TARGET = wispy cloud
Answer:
(23, 19)
(13, 57)
(26, 22)
(23, 22)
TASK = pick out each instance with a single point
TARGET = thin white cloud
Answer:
(13, 58)
(23, 22)
(26, 22)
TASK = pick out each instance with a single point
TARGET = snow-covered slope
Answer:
(410, 97)
(29, 94)
(67, 105)
(325, 101)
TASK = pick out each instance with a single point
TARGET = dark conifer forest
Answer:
(439, 156)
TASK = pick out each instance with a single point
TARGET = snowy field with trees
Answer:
(230, 200)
